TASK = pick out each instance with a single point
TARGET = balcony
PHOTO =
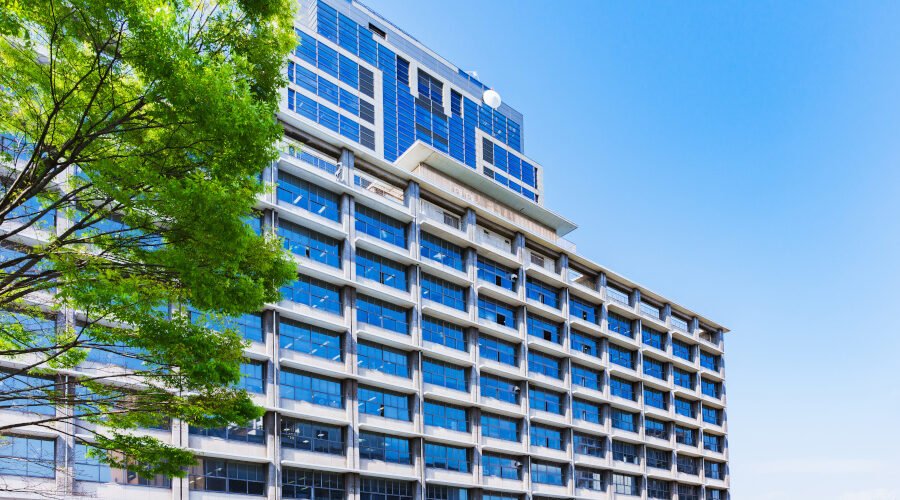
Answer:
(380, 191)
(498, 247)
(619, 297)
(444, 222)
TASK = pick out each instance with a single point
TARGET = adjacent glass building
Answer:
(442, 340)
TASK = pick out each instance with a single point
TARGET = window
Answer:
(496, 312)
(544, 329)
(547, 473)
(380, 226)
(384, 359)
(300, 386)
(384, 271)
(249, 326)
(503, 466)
(381, 314)
(430, 88)
(30, 388)
(657, 488)
(683, 378)
(582, 309)
(710, 361)
(499, 427)
(498, 350)
(444, 333)
(122, 476)
(542, 292)
(585, 344)
(586, 411)
(659, 459)
(682, 350)
(545, 401)
(655, 428)
(621, 356)
(547, 437)
(312, 436)
(625, 484)
(713, 494)
(589, 445)
(653, 338)
(504, 389)
(619, 324)
(498, 274)
(227, 476)
(686, 436)
(443, 292)
(384, 403)
(27, 456)
(307, 196)
(445, 374)
(253, 432)
(309, 339)
(447, 416)
(437, 492)
(313, 293)
(434, 248)
(385, 489)
(625, 452)
(687, 465)
(622, 388)
(544, 364)
(439, 456)
(311, 485)
(712, 442)
(89, 468)
(589, 479)
(655, 368)
(710, 388)
(654, 398)
(688, 492)
(714, 470)
(623, 420)
(253, 377)
(712, 415)
(684, 407)
(310, 244)
(384, 448)
(586, 377)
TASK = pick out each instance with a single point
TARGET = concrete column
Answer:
(347, 161)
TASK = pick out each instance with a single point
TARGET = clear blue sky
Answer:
(741, 159)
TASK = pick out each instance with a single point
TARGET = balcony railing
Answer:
(679, 324)
(435, 213)
(380, 188)
(617, 296)
(650, 310)
(493, 240)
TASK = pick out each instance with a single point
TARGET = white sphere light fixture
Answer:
(491, 98)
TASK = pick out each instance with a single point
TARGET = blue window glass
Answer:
(312, 436)
(253, 432)
(34, 393)
(313, 293)
(27, 456)
(253, 376)
(622, 388)
(688, 491)
(544, 364)
(439, 456)
(498, 350)
(547, 437)
(385, 448)
(438, 492)
(384, 359)
(682, 350)
(659, 459)
(380, 269)
(444, 333)
(712, 442)
(434, 248)
(683, 378)
(586, 377)
(625, 452)
(303, 484)
(653, 338)
(309, 339)
(307, 196)
(445, 374)
(619, 324)
(384, 403)
(712, 416)
(684, 407)
(708, 360)
(503, 466)
(300, 386)
(586, 344)
(504, 389)
(542, 292)
(547, 473)
(496, 312)
(385, 489)
(540, 399)
(714, 470)
(656, 429)
(654, 398)
(382, 314)
(443, 292)
(710, 388)
(583, 309)
(498, 274)
(655, 368)
(686, 436)
(584, 410)
(545, 329)
(621, 356)
(500, 427)
(589, 445)
(380, 226)
(447, 416)
(624, 420)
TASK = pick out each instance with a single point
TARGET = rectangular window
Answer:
(657, 488)
(584, 310)
(445, 374)
(623, 420)
(712, 442)
(714, 470)
(712, 415)
(685, 436)
(659, 459)
(380, 269)
(683, 378)
(586, 344)
(682, 350)
(382, 314)
(310, 244)
(307, 484)
(622, 388)
(654, 398)
(498, 274)
(496, 312)
(444, 333)
(542, 292)
(547, 473)
(380, 226)
(656, 429)
(253, 432)
(710, 388)
(625, 484)
(253, 377)
(504, 389)
(619, 324)
(496, 426)
(248, 325)
(626, 452)
(684, 407)
(710, 361)
(300, 386)
(544, 364)
(385, 448)
(655, 368)
(498, 350)
(443, 292)
(503, 466)
(712, 494)
(384, 403)
(589, 479)
(653, 338)
(544, 329)
(32, 390)
(545, 401)
(687, 465)
(589, 412)
(447, 416)
(90, 468)
(27, 456)
(587, 377)
(228, 476)
(688, 492)
(385, 489)
(307, 196)
(439, 456)
(434, 248)
(312, 436)
(384, 359)
(589, 445)
(438, 492)
(621, 356)
(313, 293)
(309, 339)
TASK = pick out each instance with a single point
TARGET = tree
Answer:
(134, 133)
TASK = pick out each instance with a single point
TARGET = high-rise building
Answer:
(442, 340)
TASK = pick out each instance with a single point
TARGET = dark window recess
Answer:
(367, 137)
(367, 111)
(378, 31)
(366, 82)
(487, 147)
